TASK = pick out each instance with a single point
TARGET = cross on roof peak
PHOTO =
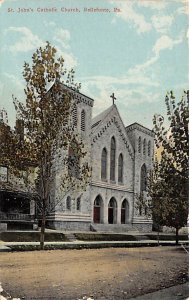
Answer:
(113, 98)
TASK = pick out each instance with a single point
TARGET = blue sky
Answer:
(138, 53)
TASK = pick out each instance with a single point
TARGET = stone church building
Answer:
(120, 158)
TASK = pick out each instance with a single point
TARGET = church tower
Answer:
(74, 210)
(142, 140)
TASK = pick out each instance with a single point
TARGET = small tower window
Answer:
(149, 148)
(139, 144)
(83, 120)
(74, 115)
(68, 203)
(143, 178)
(78, 204)
(144, 146)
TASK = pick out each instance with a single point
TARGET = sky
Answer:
(137, 49)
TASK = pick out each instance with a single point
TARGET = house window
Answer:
(139, 144)
(83, 120)
(68, 203)
(144, 146)
(149, 148)
(74, 115)
(78, 204)
(112, 159)
(104, 164)
(120, 168)
(143, 178)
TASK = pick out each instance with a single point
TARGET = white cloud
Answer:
(49, 23)
(27, 41)
(162, 23)
(128, 14)
(129, 90)
(70, 61)
(156, 5)
(129, 79)
(165, 42)
(62, 36)
(187, 35)
(185, 8)
(19, 84)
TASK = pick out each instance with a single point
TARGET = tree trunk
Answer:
(177, 236)
(43, 221)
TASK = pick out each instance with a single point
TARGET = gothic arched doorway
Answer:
(97, 210)
(124, 212)
(112, 211)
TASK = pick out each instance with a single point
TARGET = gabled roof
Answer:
(106, 119)
(97, 120)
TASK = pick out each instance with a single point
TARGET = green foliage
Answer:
(169, 182)
(45, 128)
(174, 139)
(45, 116)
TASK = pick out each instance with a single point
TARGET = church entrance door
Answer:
(110, 215)
(112, 211)
(123, 216)
(124, 212)
(96, 216)
(97, 210)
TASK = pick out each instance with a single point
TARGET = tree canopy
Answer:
(168, 186)
(45, 130)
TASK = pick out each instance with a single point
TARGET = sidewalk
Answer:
(9, 246)
(178, 292)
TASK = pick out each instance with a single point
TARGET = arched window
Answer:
(83, 120)
(149, 148)
(74, 115)
(112, 159)
(78, 203)
(68, 203)
(144, 146)
(120, 168)
(139, 144)
(104, 164)
(143, 178)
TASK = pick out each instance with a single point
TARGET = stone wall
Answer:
(69, 225)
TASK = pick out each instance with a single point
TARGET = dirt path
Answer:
(102, 274)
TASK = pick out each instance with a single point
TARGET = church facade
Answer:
(120, 158)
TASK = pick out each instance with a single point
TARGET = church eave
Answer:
(137, 126)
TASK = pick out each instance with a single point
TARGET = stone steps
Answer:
(141, 237)
(116, 228)
(71, 237)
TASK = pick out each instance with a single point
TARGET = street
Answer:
(119, 273)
